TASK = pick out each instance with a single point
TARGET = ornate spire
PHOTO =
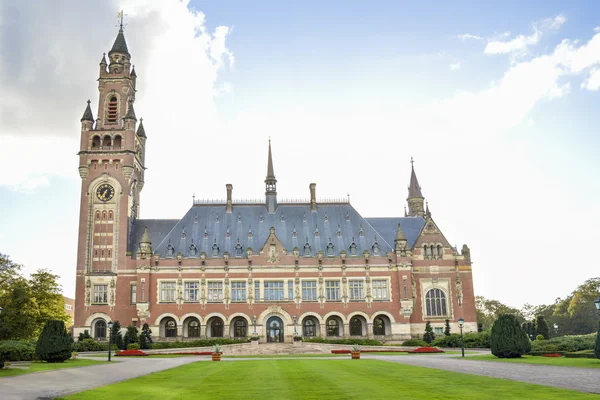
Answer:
(130, 112)
(120, 46)
(133, 72)
(414, 190)
(270, 172)
(400, 240)
(87, 114)
(145, 243)
(271, 185)
(103, 61)
(427, 212)
(141, 132)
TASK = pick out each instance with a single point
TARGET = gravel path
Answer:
(580, 379)
(62, 382)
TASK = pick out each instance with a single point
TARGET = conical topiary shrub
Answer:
(508, 339)
(54, 344)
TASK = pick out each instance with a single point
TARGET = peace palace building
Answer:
(229, 269)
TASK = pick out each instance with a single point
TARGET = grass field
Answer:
(559, 361)
(319, 379)
(38, 366)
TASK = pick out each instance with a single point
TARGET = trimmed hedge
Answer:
(360, 342)
(580, 354)
(133, 346)
(196, 343)
(415, 342)
(541, 353)
(565, 343)
(92, 345)
(472, 340)
(12, 350)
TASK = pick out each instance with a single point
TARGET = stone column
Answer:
(370, 330)
(346, 331)
(226, 333)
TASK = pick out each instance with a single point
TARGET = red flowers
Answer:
(552, 355)
(131, 353)
(368, 351)
(426, 350)
(195, 353)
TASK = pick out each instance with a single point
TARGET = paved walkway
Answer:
(580, 379)
(62, 382)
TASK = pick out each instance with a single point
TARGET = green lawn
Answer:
(319, 379)
(38, 366)
(560, 361)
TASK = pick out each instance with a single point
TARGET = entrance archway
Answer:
(274, 330)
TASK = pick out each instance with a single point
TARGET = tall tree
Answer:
(20, 314)
(507, 339)
(489, 311)
(47, 292)
(541, 327)
(428, 336)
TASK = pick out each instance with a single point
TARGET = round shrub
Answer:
(133, 346)
(508, 339)
(54, 344)
(539, 337)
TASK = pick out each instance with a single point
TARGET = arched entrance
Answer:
(274, 330)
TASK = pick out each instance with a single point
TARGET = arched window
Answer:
(106, 141)
(333, 327)
(117, 142)
(309, 328)
(100, 329)
(103, 214)
(171, 328)
(240, 328)
(425, 255)
(355, 327)
(378, 327)
(110, 215)
(113, 104)
(216, 328)
(97, 214)
(95, 142)
(435, 303)
(194, 329)
(439, 251)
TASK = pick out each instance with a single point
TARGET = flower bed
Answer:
(369, 351)
(426, 350)
(129, 353)
(552, 355)
(195, 353)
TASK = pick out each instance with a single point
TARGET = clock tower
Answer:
(111, 166)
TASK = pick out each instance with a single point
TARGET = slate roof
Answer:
(414, 189)
(87, 114)
(249, 225)
(120, 46)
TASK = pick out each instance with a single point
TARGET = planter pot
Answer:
(254, 342)
(216, 356)
(355, 355)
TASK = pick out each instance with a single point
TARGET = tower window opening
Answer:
(112, 110)
(106, 141)
(117, 142)
(95, 142)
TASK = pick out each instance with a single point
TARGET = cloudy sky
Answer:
(498, 105)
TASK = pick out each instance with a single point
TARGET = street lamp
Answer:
(461, 323)
(110, 326)
(254, 323)
(597, 304)
(556, 329)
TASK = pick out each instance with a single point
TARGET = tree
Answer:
(529, 328)
(479, 327)
(117, 337)
(146, 337)
(131, 336)
(46, 290)
(576, 314)
(20, 315)
(541, 327)
(508, 340)
(488, 311)
(54, 344)
(429, 336)
(447, 328)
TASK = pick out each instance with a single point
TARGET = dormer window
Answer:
(215, 249)
(170, 249)
(238, 249)
(193, 250)
(375, 248)
(352, 248)
(113, 105)
(361, 232)
(330, 249)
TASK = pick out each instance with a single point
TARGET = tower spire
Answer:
(415, 197)
(271, 184)
(87, 114)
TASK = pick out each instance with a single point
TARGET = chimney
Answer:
(229, 206)
(313, 197)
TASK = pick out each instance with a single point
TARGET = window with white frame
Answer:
(435, 303)
(380, 289)
(167, 291)
(100, 294)
(309, 290)
(273, 290)
(133, 293)
(290, 290)
(256, 291)
(356, 289)
(191, 291)
(215, 291)
(332, 290)
(438, 330)
(238, 291)
(68, 307)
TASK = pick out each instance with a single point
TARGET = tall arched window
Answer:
(435, 303)
(171, 328)
(333, 327)
(378, 326)
(100, 329)
(106, 141)
(240, 328)
(309, 328)
(439, 251)
(194, 329)
(95, 142)
(117, 142)
(113, 104)
(355, 327)
(216, 328)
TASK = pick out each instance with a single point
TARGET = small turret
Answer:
(130, 119)
(141, 132)
(400, 240)
(103, 65)
(415, 197)
(119, 55)
(145, 249)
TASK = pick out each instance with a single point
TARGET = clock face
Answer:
(105, 192)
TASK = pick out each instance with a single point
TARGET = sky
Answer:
(497, 103)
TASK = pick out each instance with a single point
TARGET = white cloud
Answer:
(454, 66)
(521, 43)
(466, 36)
(593, 80)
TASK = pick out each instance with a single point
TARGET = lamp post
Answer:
(110, 326)
(461, 323)
(597, 304)
(555, 329)
(254, 323)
